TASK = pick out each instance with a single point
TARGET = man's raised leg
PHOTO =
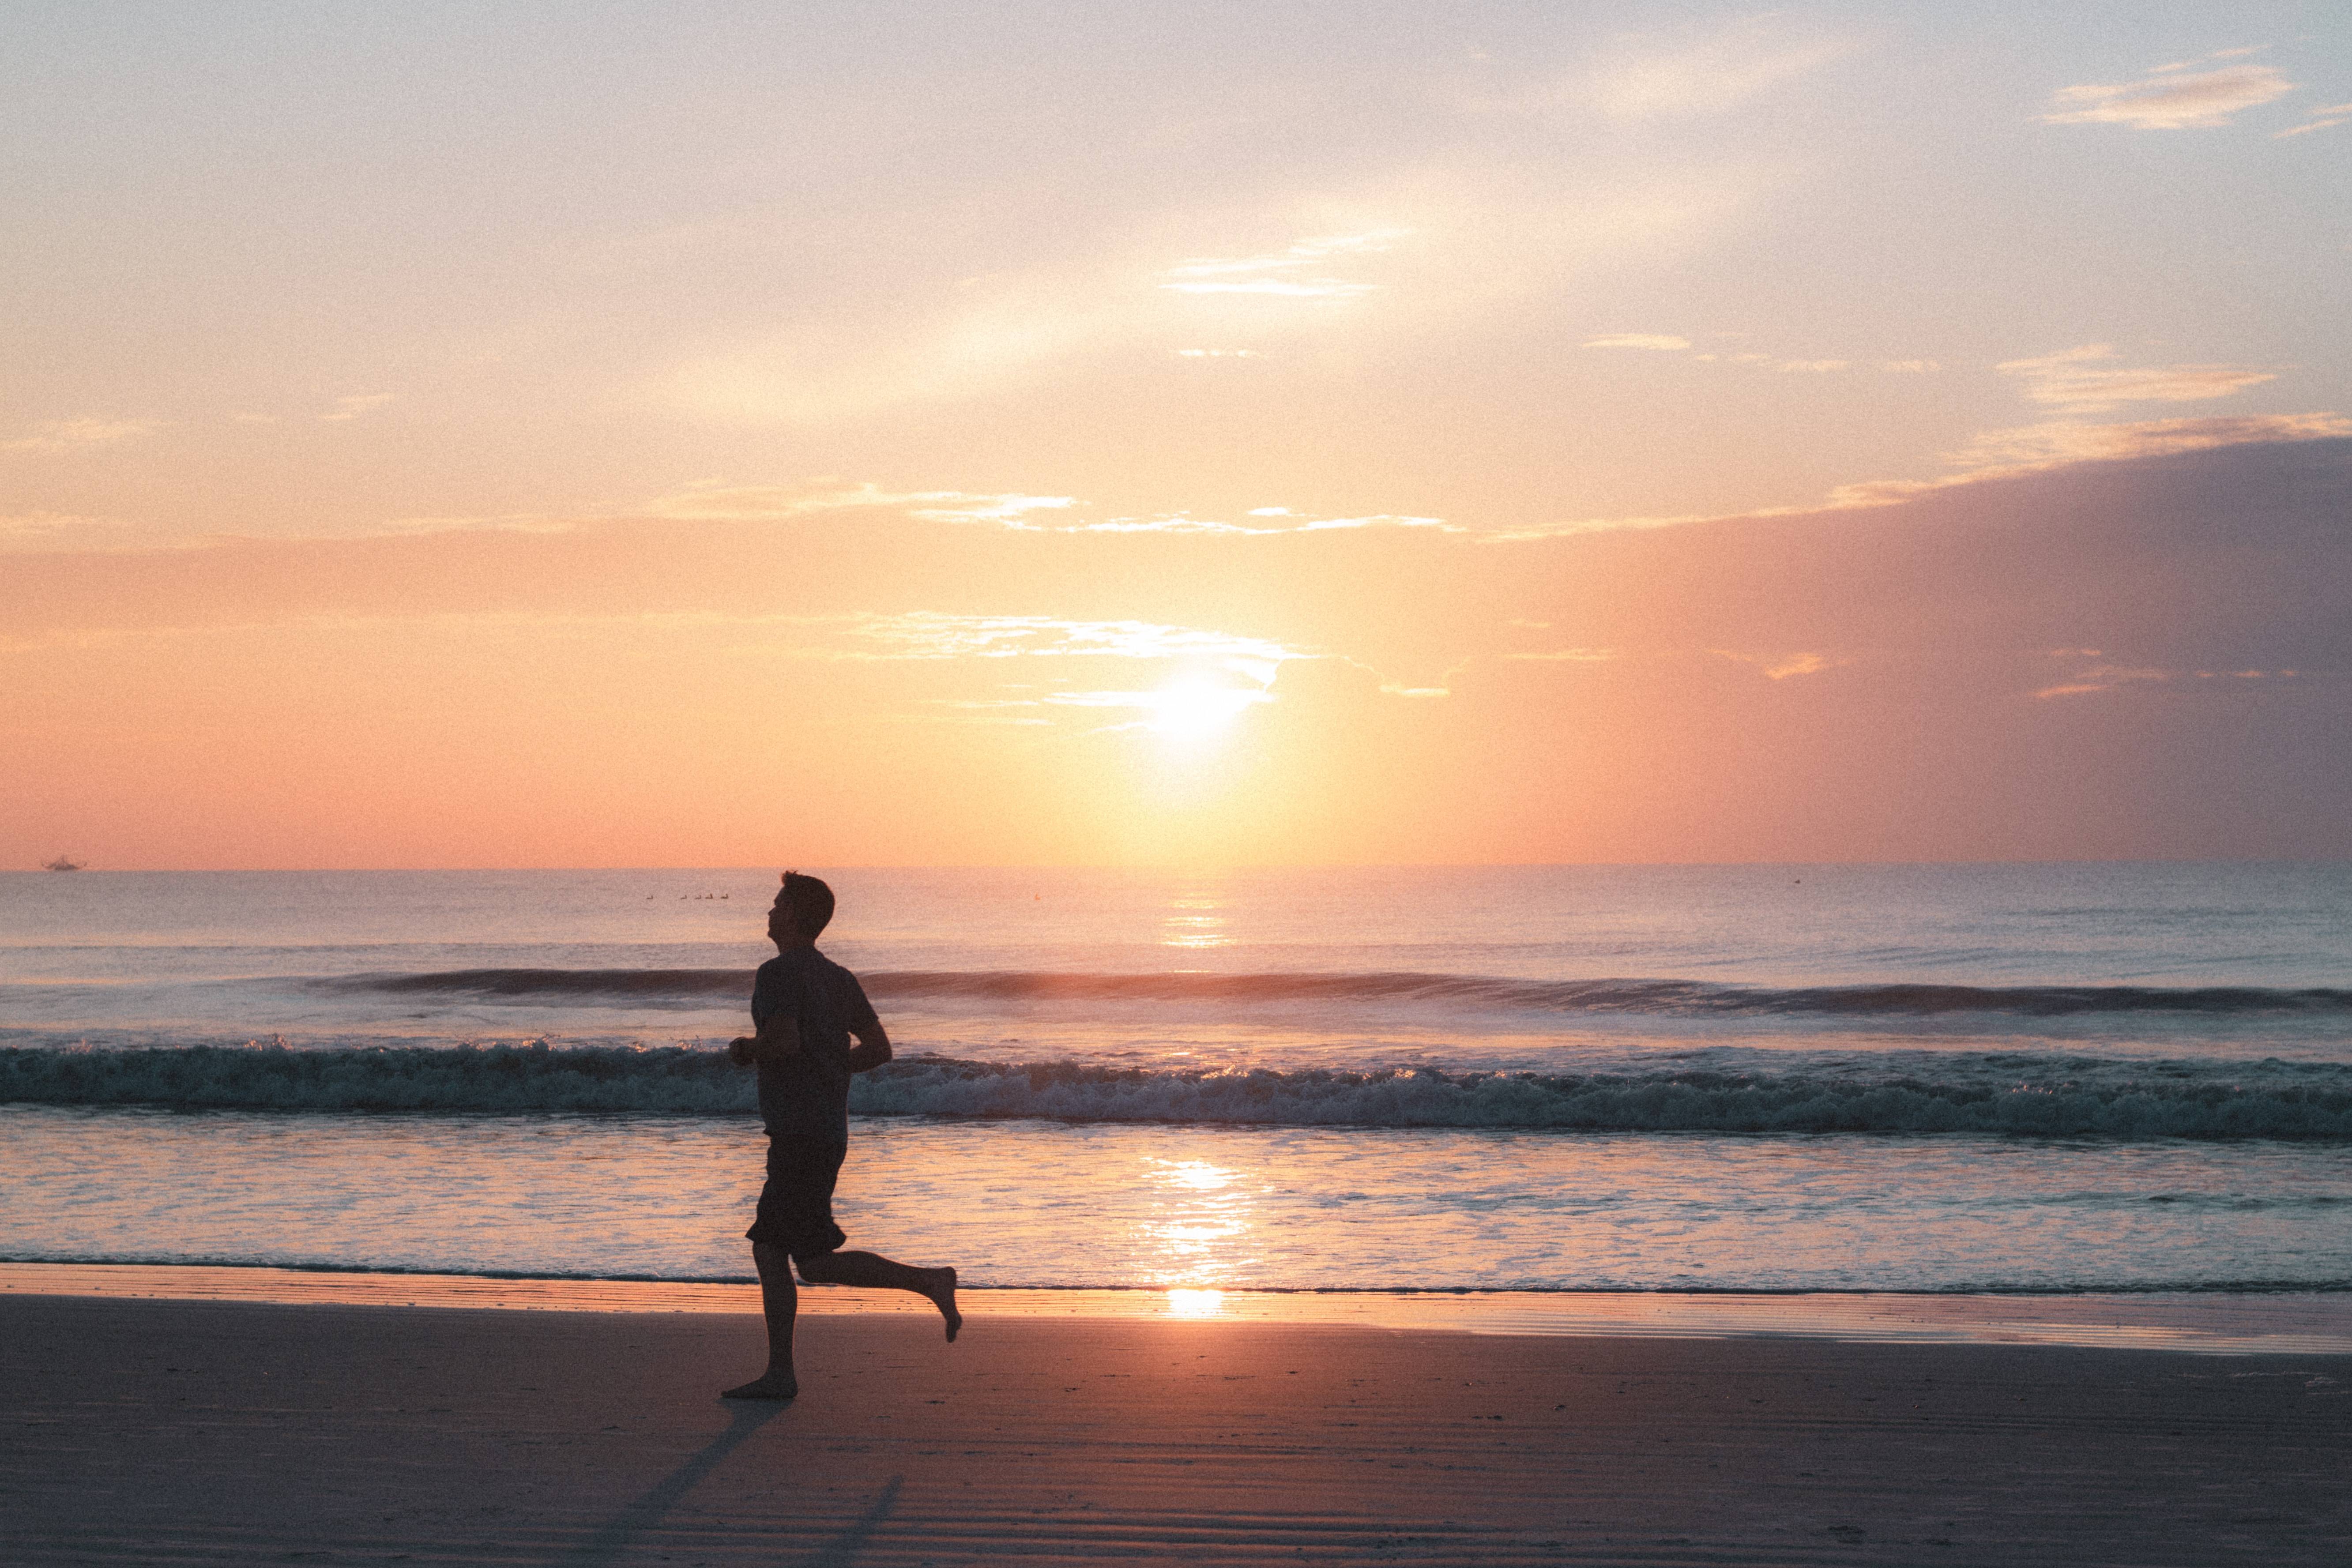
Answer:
(781, 1303)
(875, 1272)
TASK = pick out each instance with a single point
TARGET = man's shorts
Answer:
(796, 1204)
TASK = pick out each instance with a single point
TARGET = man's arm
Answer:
(779, 1036)
(873, 1047)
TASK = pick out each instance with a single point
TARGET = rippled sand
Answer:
(164, 1432)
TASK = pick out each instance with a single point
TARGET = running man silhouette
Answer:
(804, 1010)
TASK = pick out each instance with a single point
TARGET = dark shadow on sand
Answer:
(607, 1544)
(843, 1549)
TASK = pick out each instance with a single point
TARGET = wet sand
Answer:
(158, 1432)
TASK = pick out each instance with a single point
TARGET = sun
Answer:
(1196, 708)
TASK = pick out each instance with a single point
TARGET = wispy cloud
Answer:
(51, 530)
(492, 523)
(1415, 252)
(1275, 519)
(77, 434)
(930, 635)
(2103, 678)
(715, 501)
(2080, 381)
(2237, 54)
(1597, 525)
(2098, 679)
(1667, 343)
(1567, 655)
(2044, 446)
(1306, 270)
(857, 637)
(2321, 118)
(1423, 690)
(1781, 666)
(1663, 342)
(2003, 454)
(1210, 676)
(2166, 100)
(1722, 71)
(351, 407)
(1009, 511)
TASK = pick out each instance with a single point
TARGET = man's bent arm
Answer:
(872, 1050)
(779, 1037)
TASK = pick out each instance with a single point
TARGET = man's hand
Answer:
(742, 1051)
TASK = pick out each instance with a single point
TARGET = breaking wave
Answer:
(1673, 997)
(1977, 1095)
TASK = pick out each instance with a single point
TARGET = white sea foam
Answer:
(2000, 1095)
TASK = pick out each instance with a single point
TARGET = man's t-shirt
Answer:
(806, 1095)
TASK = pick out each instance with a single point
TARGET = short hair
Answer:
(810, 901)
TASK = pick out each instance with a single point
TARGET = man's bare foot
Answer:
(774, 1385)
(942, 1295)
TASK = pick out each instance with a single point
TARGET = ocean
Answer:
(1940, 1078)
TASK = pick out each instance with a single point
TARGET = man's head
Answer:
(802, 911)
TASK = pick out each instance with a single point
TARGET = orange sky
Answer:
(907, 440)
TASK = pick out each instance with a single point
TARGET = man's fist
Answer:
(739, 1050)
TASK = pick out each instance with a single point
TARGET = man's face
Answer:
(779, 921)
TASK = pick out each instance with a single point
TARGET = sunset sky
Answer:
(505, 435)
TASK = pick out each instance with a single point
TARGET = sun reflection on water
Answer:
(1195, 924)
(1195, 1303)
(1200, 1224)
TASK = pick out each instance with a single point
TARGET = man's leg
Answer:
(781, 1304)
(874, 1272)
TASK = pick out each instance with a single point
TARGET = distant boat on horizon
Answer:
(62, 864)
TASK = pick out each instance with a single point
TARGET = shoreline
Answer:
(2204, 1322)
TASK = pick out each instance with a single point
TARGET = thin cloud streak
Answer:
(2163, 101)
(1667, 343)
(1290, 273)
(1663, 342)
(77, 434)
(1781, 666)
(1718, 74)
(2034, 447)
(718, 502)
(2079, 381)
(2323, 118)
(2100, 678)
(56, 530)
(2002, 455)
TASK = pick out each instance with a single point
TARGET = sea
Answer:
(1959, 1079)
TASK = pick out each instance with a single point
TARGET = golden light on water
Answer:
(1201, 1229)
(1195, 1303)
(1196, 922)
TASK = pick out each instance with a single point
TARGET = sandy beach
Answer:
(157, 1431)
